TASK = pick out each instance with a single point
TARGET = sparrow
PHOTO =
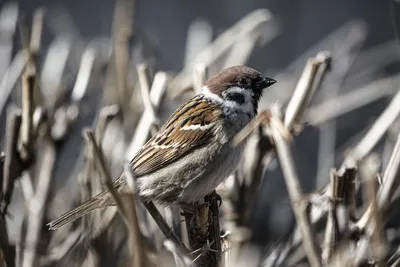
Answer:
(192, 153)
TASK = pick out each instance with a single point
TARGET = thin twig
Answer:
(60, 21)
(28, 106)
(7, 251)
(11, 76)
(241, 51)
(164, 227)
(344, 58)
(122, 31)
(294, 190)
(143, 128)
(347, 187)
(38, 205)
(12, 166)
(369, 169)
(378, 129)
(199, 77)
(391, 178)
(305, 89)
(36, 32)
(101, 165)
(138, 252)
(8, 22)
(83, 76)
(180, 260)
(332, 228)
(261, 118)
(356, 98)
(106, 115)
(368, 142)
(199, 36)
(390, 182)
(145, 90)
(53, 69)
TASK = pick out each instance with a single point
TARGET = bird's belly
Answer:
(221, 166)
(191, 178)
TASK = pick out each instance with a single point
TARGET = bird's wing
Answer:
(190, 127)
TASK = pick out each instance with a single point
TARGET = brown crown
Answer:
(229, 77)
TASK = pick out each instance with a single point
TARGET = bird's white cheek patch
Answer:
(206, 91)
(246, 107)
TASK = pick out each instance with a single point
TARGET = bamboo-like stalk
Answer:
(28, 85)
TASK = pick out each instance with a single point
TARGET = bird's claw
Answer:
(217, 197)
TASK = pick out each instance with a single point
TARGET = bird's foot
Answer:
(213, 195)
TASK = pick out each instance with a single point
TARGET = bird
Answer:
(192, 152)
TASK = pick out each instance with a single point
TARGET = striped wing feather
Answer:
(189, 128)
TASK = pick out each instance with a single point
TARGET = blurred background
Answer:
(276, 37)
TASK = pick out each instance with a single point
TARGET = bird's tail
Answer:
(100, 201)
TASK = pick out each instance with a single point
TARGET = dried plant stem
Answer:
(180, 259)
(101, 165)
(122, 34)
(391, 178)
(364, 147)
(11, 76)
(28, 85)
(83, 76)
(300, 208)
(252, 193)
(261, 118)
(145, 123)
(52, 72)
(128, 212)
(346, 187)
(390, 182)
(33, 49)
(162, 224)
(332, 228)
(334, 107)
(378, 241)
(305, 89)
(242, 49)
(12, 166)
(381, 125)
(138, 252)
(37, 206)
(7, 251)
(199, 77)
(145, 89)
(106, 115)
(36, 32)
(8, 20)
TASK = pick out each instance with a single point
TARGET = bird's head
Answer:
(239, 88)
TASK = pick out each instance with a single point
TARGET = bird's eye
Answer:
(243, 82)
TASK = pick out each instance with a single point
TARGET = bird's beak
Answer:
(265, 82)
